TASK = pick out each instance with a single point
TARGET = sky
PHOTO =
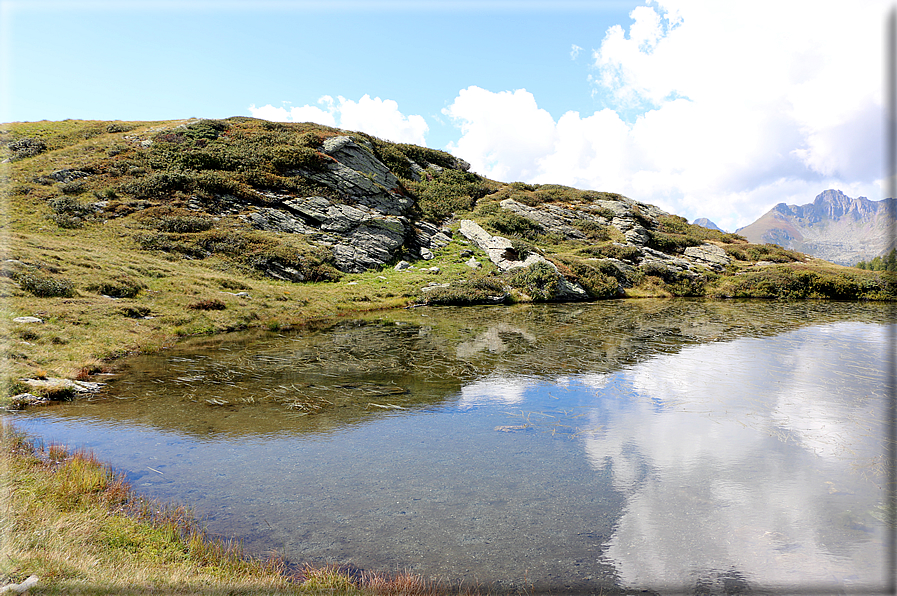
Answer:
(705, 109)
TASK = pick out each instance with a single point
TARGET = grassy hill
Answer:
(124, 236)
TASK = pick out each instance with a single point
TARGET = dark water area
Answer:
(674, 446)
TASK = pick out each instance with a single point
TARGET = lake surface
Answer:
(675, 446)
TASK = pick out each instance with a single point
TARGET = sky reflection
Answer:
(750, 461)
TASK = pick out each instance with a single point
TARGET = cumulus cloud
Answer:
(712, 109)
(375, 116)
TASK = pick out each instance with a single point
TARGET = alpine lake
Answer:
(674, 446)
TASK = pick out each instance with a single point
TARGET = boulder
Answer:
(709, 254)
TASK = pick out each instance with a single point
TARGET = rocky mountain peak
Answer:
(834, 227)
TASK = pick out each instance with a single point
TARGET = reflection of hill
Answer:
(322, 378)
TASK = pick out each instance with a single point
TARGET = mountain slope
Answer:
(833, 227)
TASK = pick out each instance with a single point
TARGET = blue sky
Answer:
(718, 110)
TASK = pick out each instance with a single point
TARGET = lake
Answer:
(667, 445)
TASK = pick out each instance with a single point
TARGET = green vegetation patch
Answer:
(598, 280)
(763, 252)
(540, 281)
(887, 262)
(802, 282)
(477, 289)
(621, 252)
(445, 193)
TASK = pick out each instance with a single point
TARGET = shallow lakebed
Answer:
(664, 445)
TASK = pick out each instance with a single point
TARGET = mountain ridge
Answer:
(834, 227)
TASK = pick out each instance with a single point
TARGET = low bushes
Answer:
(801, 282)
(763, 252)
(44, 286)
(447, 192)
(478, 289)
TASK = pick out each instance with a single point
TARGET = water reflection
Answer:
(762, 459)
(654, 444)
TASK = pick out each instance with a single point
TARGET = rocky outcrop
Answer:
(502, 253)
(711, 254)
(367, 224)
(632, 219)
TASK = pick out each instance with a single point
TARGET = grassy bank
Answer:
(76, 525)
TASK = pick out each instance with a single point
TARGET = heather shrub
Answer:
(478, 289)
(44, 286)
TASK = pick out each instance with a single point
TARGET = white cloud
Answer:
(374, 116)
(739, 106)
(574, 51)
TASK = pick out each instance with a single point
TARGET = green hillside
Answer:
(124, 236)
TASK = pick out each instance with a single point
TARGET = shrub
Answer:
(119, 286)
(594, 280)
(184, 224)
(671, 243)
(26, 147)
(68, 212)
(593, 231)
(622, 252)
(448, 192)
(208, 304)
(508, 223)
(478, 289)
(801, 282)
(539, 280)
(763, 252)
(45, 287)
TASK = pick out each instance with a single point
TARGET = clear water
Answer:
(663, 445)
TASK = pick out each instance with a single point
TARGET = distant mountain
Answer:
(833, 227)
(706, 223)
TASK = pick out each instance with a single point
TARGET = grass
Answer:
(77, 525)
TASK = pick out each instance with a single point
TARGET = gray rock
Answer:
(426, 254)
(65, 176)
(372, 244)
(499, 250)
(278, 270)
(709, 254)
(402, 265)
(27, 320)
(473, 263)
(277, 220)
(637, 235)
(433, 286)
